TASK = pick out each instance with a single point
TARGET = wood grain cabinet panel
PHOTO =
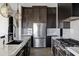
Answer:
(75, 9)
(35, 12)
(27, 17)
(43, 14)
(64, 11)
(39, 14)
(51, 17)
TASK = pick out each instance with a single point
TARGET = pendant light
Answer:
(6, 10)
(17, 14)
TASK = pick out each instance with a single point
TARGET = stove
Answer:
(59, 46)
(69, 42)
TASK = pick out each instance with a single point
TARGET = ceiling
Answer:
(39, 4)
(14, 5)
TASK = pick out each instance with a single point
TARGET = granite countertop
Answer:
(12, 50)
(73, 50)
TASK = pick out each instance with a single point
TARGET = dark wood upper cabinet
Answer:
(39, 14)
(51, 17)
(35, 12)
(64, 11)
(75, 9)
(43, 14)
(27, 17)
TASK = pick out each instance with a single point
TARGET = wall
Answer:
(66, 33)
(3, 27)
(74, 25)
(53, 31)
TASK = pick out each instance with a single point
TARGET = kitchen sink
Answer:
(15, 42)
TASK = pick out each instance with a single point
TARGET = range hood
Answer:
(71, 19)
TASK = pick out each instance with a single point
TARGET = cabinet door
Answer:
(27, 17)
(75, 9)
(48, 41)
(43, 14)
(35, 10)
(51, 17)
(40, 14)
(21, 52)
(64, 11)
(27, 48)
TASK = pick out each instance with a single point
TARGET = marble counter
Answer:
(12, 50)
(73, 50)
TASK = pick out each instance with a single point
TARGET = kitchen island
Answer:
(13, 50)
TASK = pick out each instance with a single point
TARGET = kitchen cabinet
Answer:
(43, 14)
(39, 14)
(48, 41)
(51, 17)
(31, 41)
(64, 11)
(75, 9)
(21, 52)
(31, 15)
(35, 13)
(25, 51)
(27, 17)
(27, 48)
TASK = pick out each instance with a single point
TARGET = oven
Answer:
(58, 49)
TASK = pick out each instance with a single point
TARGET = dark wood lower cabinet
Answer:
(21, 52)
(25, 51)
(27, 48)
(48, 41)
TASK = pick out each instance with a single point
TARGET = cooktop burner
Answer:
(69, 42)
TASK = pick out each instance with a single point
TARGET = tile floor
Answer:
(40, 52)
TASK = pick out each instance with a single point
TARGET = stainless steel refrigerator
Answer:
(39, 34)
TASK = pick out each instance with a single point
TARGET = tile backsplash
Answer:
(50, 32)
(27, 31)
(53, 31)
(74, 25)
(66, 33)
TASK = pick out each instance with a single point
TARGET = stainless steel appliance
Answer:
(39, 34)
(60, 44)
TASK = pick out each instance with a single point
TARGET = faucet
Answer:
(2, 37)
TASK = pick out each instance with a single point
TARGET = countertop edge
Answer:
(20, 47)
(72, 51)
